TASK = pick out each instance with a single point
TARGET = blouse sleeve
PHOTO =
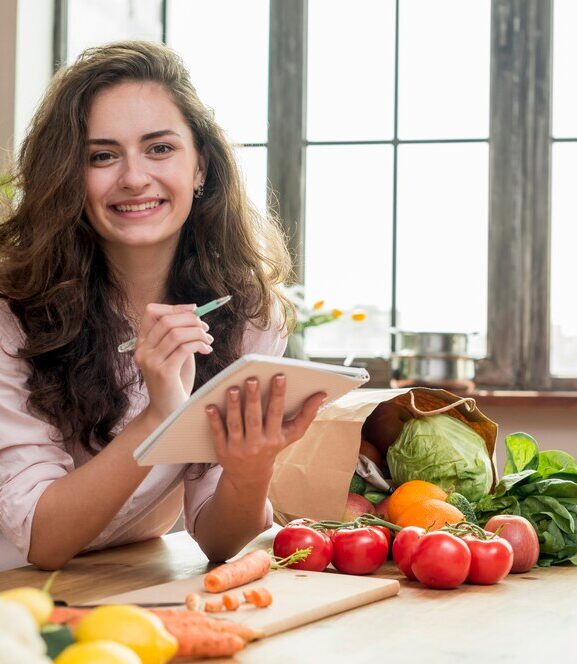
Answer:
(30, 459)
(199, 489)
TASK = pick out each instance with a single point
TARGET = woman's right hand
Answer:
(169, 337)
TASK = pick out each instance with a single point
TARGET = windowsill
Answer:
(380, 377)
(525, 398)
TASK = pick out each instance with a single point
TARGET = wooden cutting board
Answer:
(299, 597)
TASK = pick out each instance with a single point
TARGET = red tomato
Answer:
(291, 538)
(403, 547)
(359, 550)
(521, 535)
(387, 533)
(441, 560)
(491, 559)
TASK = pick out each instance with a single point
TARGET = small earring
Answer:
(199, 193)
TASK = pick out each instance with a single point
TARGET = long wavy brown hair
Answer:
(55, 276)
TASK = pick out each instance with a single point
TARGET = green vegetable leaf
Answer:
(556, 461)
(551, 507)
(552, 540)
(510, 481)
(489, 506)
(558, 488)
(522, 453)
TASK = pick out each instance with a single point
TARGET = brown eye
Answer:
(161, 148)
(100, 157)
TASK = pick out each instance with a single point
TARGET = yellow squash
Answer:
(98, 652)
(132, 626)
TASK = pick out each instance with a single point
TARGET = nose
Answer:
(134, 176)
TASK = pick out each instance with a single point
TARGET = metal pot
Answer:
(451, 372)
(431, 343)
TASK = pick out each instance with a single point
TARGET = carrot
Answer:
(231, 601)
(250, 567)
(213, 605)
(193, 602)
(63, 615)
(203, 641)
(260, 597)
(181, 620)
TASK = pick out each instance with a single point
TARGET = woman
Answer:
(132, 212)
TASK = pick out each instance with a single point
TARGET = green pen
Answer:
(205, 309)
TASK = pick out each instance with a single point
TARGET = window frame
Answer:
(520, 141)
(518, 327)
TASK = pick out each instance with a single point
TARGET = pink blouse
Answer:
(30, 460)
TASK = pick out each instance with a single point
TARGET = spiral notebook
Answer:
(185, 436)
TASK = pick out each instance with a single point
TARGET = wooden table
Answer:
(528, 617)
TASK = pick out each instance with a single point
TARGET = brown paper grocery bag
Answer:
(312, 476)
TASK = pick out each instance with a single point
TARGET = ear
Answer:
(202, 170)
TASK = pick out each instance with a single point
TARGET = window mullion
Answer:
(286, 122)
(518, 303)
(537, 197)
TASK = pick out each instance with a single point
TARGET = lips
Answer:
(135, 209)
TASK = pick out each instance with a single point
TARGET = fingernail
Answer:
(251, 385)
(279, 381)
(210, 338)
(205, 326)
(211, 410)
(233, 393)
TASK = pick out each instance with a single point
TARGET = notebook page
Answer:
(185, 436)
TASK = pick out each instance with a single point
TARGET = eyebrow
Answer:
(145, 137)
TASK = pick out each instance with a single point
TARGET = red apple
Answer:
(371, 452)
(382, 509)
(521, 536)
(357, 505)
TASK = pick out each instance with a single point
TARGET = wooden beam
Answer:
(286, 122)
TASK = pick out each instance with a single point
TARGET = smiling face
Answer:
(142, 168)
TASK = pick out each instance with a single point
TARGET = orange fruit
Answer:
(413, 491)
(431, 513)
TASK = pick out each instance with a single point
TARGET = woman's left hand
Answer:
(247, 444)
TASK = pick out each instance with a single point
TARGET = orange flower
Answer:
(358, 315)
(318, 305)
(336, 313)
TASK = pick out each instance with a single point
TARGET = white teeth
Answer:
(137, 208)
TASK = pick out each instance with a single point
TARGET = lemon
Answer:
(98, 652)
(132, 626)
(38, 602)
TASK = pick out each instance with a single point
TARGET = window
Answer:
(397, 150)
(225, 45)
(405, 187)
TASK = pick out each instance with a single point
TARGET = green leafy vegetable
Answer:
(522, 453)
(442, 450)
(542, 487)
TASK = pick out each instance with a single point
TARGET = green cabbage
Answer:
(443, 450)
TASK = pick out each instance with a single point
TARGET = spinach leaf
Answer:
(522, 453)
(489, 506)
(551, 539)
(559, 488)
(556, 461)
(548, 506)
(509, 481)
(542, 487)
